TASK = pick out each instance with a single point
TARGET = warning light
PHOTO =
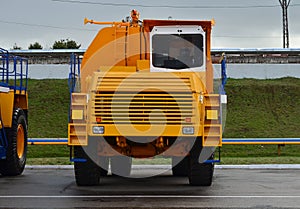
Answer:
(98, 120)
(188, 120)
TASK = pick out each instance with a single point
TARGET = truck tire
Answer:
(15, 161)
(86, 173)
(104, 162)
(121, 165)
(200, 174)
(180, 166)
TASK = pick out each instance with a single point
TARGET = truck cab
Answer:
(177, 49)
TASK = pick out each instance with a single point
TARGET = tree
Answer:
(65, 44)
(16, 47)
(36, 45)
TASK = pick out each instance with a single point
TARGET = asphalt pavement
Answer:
(233, 187)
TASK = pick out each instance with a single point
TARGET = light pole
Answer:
(284, 5)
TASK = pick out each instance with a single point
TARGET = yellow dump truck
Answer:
(13, 113)
(145, 89)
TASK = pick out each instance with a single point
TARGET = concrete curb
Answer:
(260, 166)
(143, 167)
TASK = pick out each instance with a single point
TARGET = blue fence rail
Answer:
(226, 141)
(47, 141)
(261, 141)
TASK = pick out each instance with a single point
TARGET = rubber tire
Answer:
(200, 174)
(121, 165)
(14, 165)
(86, 173)
(180, 168)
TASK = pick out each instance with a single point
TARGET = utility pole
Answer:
(284, 5)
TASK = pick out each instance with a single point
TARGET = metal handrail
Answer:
(18, 73)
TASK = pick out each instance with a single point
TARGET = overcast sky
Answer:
(239, 24)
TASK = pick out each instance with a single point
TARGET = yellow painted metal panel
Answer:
(7, 106)
(77, 114)
(213, 141)
(118, 68)
(21, 100)
(212, 135)
(212, 114)
(108, 49)
(145, 130)
(79, 98)
(77, 134)
(143, 65)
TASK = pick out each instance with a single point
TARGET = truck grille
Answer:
(143, 100)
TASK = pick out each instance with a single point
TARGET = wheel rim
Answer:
(20, 141)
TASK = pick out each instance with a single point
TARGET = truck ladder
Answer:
(212, 127)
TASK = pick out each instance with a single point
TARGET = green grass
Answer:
(48, 161)
(263, 108)
(259, 160)
(48, 108)
(256, 108)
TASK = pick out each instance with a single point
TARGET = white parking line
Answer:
(137, 167)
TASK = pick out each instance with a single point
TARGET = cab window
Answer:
(177, 51)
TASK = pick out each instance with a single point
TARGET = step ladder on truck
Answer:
(13, 113)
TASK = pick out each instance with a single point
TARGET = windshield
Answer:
(177, 51)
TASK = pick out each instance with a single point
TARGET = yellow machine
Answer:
(13, 113)
(145, 89)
